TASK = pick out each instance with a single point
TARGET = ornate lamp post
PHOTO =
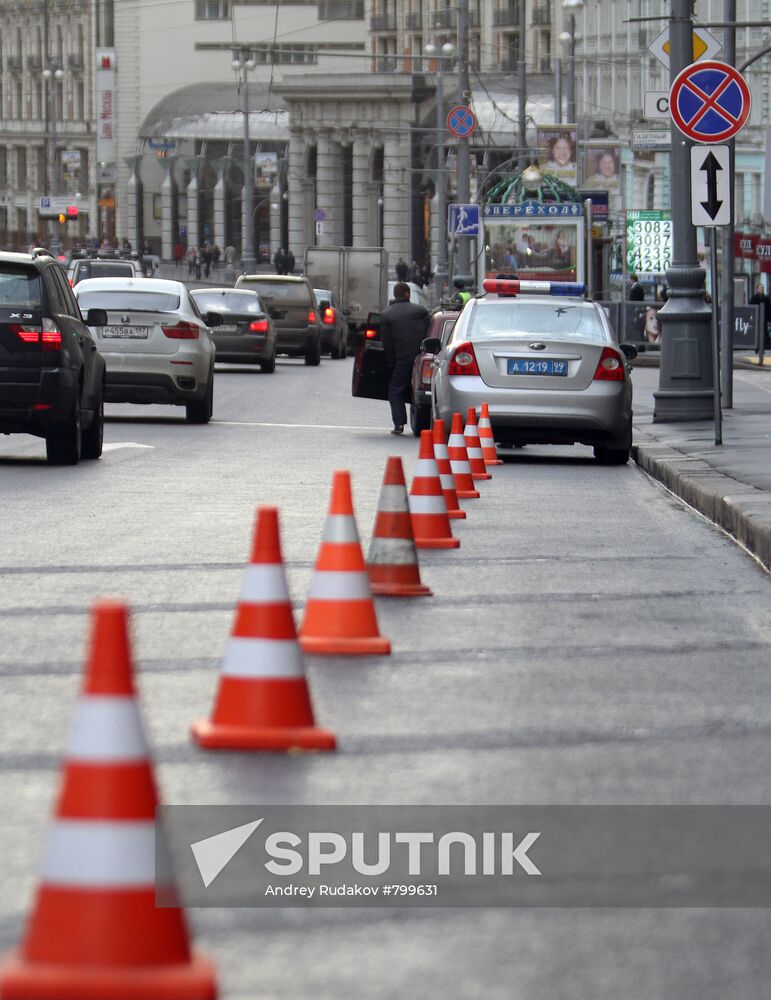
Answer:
(441, 54)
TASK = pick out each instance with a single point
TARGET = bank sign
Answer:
(648, 242)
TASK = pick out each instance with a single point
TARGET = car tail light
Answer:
(259, 326)
(370, 333)
(328, 317)
(181, 331)
(312, 316)
(610, 367)
(427, 370)
(70, 281)
(49, 336)
(463, 361)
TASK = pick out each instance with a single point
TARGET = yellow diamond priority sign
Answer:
(705, 45)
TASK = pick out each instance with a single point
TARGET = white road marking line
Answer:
(115, 445)
(302, 427)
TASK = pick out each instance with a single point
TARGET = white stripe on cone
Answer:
(447, 480)
(264, 582)
(425, 468)
(339, 585)
(460, 465)
(247, 657)
(393, 499)
(391, 550)
(103, 853)
(340, 528)
(474, 452)
(107, 728)
(428, 504)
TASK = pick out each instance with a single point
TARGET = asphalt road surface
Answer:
(592, 641)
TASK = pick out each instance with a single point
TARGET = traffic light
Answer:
(69, 215)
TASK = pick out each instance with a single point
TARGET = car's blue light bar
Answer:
(516, 286)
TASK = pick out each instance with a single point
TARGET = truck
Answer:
(358, 278)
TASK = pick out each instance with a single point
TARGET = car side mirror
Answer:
(214, 319)
(431, 345)
(96, 317)
(629, 351)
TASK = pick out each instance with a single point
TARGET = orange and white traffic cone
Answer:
(486, 439)
(459, 463)
(392, 560)
(340, 613)
(474, 447)
(454, 510)
(263, 702)
(95, 932)
(428, 508)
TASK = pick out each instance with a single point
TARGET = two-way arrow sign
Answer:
(710, 186)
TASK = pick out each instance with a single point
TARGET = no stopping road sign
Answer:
(709, 101)
(461, 120)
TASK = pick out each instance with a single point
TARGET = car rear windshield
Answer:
(235, 302)
(281, 291)
(107, 270)
(560, 321)
(19, 286)
(136, 301)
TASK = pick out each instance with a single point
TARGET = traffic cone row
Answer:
(95, 932)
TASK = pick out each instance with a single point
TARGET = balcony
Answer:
(14, 64)
(386, 64)
(414, 21)
(75, 62)
(445, 19)
(383, 22)
(34, 64)
(505, 18)
(541, 15)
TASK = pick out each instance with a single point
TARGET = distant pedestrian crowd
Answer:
(283, 261)
(418, 274)
(201, 261)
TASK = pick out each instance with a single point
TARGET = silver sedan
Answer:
(549, 367)
(156, 343)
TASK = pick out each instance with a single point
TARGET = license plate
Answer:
(224, 329)
(126, 332)
(526, 366)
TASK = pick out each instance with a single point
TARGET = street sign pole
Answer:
(727, 239)
(715, 337)
(686, 377)
(463, 255)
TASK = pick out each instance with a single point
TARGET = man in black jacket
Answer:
(403, 327)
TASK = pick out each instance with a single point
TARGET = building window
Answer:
(341, 10)
(212, 10)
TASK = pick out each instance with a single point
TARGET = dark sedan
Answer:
(246, 335)
(439, 331)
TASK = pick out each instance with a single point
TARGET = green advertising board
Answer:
(648, 241)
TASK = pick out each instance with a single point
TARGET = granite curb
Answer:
(743, 511)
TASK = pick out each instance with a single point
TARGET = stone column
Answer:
(328, 191)
(219, 202)
(300, 193)
(168, 199)
(275, 219)
(133, 201)
(193, 235)
(396, 200)
(363, 229)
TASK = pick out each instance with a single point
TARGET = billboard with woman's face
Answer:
(643, 325)
(557, 152)
(602, 166)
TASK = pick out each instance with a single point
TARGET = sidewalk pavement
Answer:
(730, 484)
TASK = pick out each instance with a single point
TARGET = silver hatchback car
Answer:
(156, 343)
(547, 363)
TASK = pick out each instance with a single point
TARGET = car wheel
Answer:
(63, 443)
(200, 411)
(269, 365)
(611, 456)
(313, 353)
(420, 418)
(93, 438)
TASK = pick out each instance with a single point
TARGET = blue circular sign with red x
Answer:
(709, 101)
(461, 120)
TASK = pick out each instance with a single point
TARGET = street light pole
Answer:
(568, 38)
(686, 371)
(463, 250)
(440, 269)
(242, 61)
(52, 75)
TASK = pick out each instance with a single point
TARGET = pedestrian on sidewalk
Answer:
(636, 290)
(403, 327)
(760, 298)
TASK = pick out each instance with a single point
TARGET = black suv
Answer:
(294, 315)
(51, 373)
